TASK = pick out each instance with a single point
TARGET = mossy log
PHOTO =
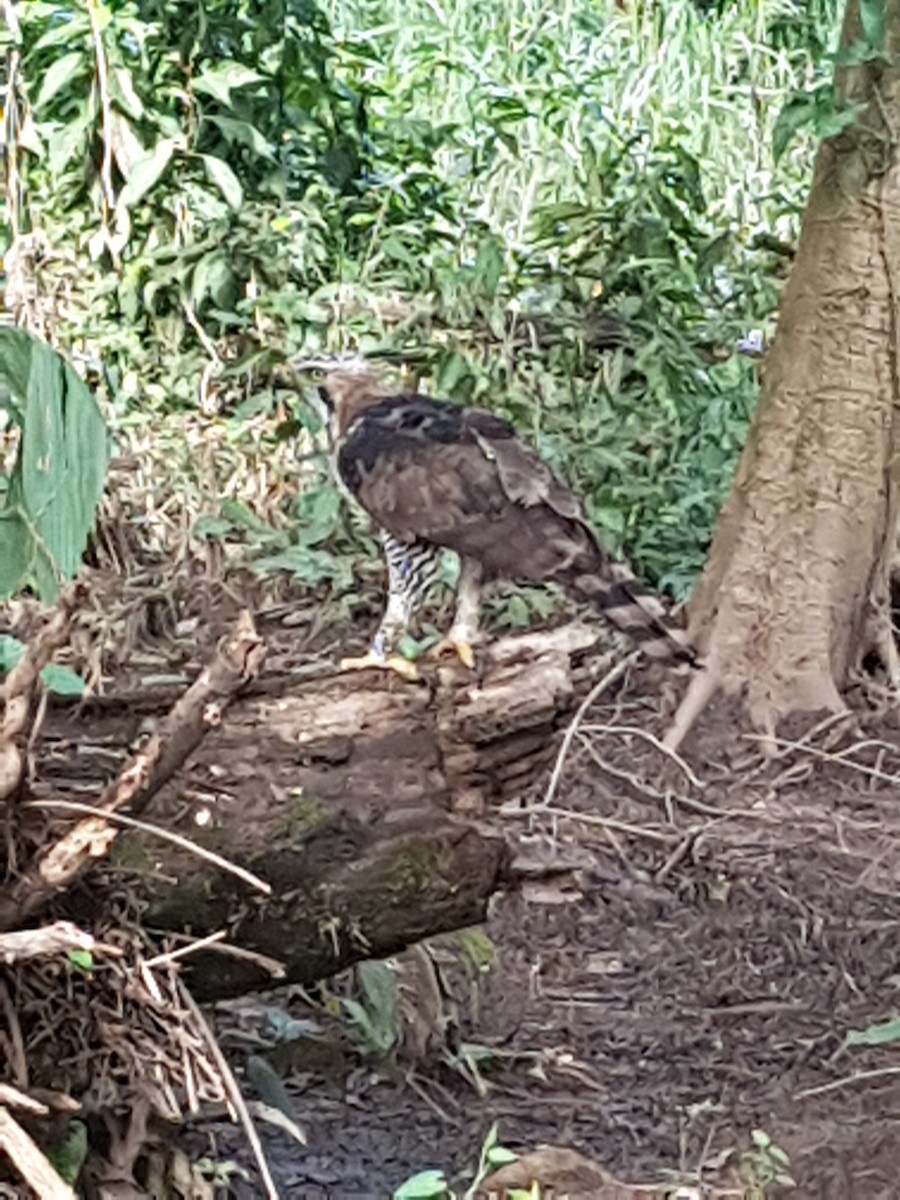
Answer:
(354, 796)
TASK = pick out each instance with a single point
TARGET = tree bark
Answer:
(347, 794)
(795, 593)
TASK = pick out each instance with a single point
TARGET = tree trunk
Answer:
(344, 793)
(796, 589)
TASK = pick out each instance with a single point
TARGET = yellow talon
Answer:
(462, 650)
(400, 666)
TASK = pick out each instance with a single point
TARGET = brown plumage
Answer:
(436, 474)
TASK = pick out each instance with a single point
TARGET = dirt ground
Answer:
(685, 951)
(689, 946)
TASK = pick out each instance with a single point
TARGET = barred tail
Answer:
(627, 604)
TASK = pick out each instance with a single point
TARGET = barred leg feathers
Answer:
(638, 613)
(412, 569)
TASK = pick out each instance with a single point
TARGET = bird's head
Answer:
(347, 385)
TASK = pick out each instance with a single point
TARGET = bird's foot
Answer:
(391, 662)
(450, 645)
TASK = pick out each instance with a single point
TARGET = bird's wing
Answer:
(431, 471)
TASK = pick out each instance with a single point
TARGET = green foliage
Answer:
(50, 497)
(884, 1034)
(377, 1014)
(563, 214)
(432, 1184)
(69, 1151)
(61, 680)
(762, 1165)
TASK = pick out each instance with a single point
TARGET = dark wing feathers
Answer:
(432, 471)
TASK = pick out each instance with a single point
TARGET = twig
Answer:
(59, 938)
(653, 835)
(237, 660)
(160, 960)
(11, 1097)
(30, 1162)
(602, 684)
(832, 757)
(22, 685)
(655, 742)
(846, 1081)
(232, 1090)
(166, 835)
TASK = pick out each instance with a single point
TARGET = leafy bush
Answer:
(569, 214)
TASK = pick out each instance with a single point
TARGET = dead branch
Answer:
(11, 1097)
(58, 938)
(238, 659)
(21, 690)
(30, 1162)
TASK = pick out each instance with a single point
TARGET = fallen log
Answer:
(347, 794)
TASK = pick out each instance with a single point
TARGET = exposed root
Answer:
(701, 689)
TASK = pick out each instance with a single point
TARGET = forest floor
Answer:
(682, 965)
(687, 950)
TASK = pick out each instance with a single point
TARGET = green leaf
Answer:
(225, 179)
(59, 74)
(58, 477)
(68, 1154)
(873, 22)
(11, 649)
(426, 1185)
(123, 92)
(62, 680)
(875, 1035)
(797, 112)
(499, 1156)
(83, 959)
(211, 527)
(146, 170)
(219, 80)
(65, 143)
(242, 133)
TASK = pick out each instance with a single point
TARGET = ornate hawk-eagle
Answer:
(434, 474)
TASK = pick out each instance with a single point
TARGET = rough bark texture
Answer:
(795, 592)
(345, 793)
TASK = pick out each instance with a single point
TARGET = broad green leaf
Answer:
(146, 171)
(123, 91)
(126, 146)
(242, 133)
(218, 80)
(15, 361)
(212, 276)
(225, 179)
(62, 680)
(83, 959)
(500, 1156)
(58, 477)
(68, 1154)
(11, 649)
(875, 1035)
(67, 141)
(68, 31)
(211, 527)
(426, 1185)
(60, 74)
